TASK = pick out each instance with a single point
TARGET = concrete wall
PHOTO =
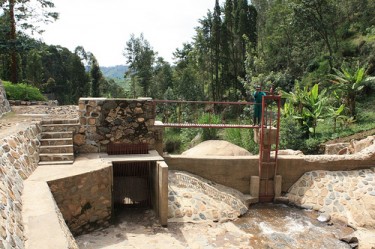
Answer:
(18, 159)
(85, 200)
(160, 191)
(116, 120)
(235, 172)
(291, 168)
(4, 104)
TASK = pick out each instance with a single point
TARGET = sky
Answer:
(104, 27)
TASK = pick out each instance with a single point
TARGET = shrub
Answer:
(22, 91)
(209, 133)
(243, 138)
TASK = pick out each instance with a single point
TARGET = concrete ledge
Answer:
(43, 227)
(44, 223)
(152, 155)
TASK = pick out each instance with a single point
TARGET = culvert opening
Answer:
(132, 185)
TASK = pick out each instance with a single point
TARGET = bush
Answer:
(172, 141)
(291, 134)
(243, 138)
(312, 146)
(209, 133)
(22, 91)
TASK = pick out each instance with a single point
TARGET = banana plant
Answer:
(309, 106)
(336, 114)
(350, 82)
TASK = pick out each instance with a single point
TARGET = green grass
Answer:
(364, 121)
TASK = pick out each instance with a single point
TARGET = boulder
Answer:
(357, 146)
(335, 149)
(216, 148)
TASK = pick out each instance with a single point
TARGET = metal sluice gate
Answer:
(132, 184)
(131, 180)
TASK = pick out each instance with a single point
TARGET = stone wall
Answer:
(344, 195)
(18, 159)
(4, 104)
(105, 121)
(84, 200)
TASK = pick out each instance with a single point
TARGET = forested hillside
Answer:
(320, 54)
(115, 72)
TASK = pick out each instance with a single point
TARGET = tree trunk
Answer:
(12, 39)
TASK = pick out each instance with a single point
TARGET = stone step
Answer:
(60, 121)
(59, 127)
(43, 157)
(250, 200)
(55, 162)
(56, 141)
(54, 134)
(56, 149)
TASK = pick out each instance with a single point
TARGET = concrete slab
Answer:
(152, 155)
(41, 224)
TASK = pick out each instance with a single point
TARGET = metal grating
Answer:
(125, 148)
(132, 184)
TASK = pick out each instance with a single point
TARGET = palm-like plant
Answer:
(350, 83)
(307, 106)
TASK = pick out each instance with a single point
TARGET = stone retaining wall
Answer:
(105, 121)
(4, 104)
(344, 195)
(19, 155)
(85, 200)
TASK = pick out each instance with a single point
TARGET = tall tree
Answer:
(96, 77)
(20, 13)
(140, 57)
(319, 16)
(215, 43)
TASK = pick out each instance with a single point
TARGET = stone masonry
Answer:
(105, 121)
(344, 195)
(194, 199)
(4, 103)
(84, 200)
(18, 159)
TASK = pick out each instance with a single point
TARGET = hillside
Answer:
(115, 72)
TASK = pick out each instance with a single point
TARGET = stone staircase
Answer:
(56, 142)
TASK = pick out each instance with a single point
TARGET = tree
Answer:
(215, 44)
(96, 77)
(34, 68)
(162, 78)
(319, 16)
(20, 12)
(140, 57)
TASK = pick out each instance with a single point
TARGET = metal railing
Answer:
(204, 114)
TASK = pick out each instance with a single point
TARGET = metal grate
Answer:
(131, 184)
(125, 148)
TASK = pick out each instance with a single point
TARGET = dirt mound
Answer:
(216, 148)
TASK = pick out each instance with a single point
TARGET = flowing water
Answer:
(279, 226)
(268, 226)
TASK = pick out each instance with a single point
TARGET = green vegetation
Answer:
(22, 92)
(319, 53)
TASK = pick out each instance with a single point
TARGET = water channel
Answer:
(280, 226)
(275, 226)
